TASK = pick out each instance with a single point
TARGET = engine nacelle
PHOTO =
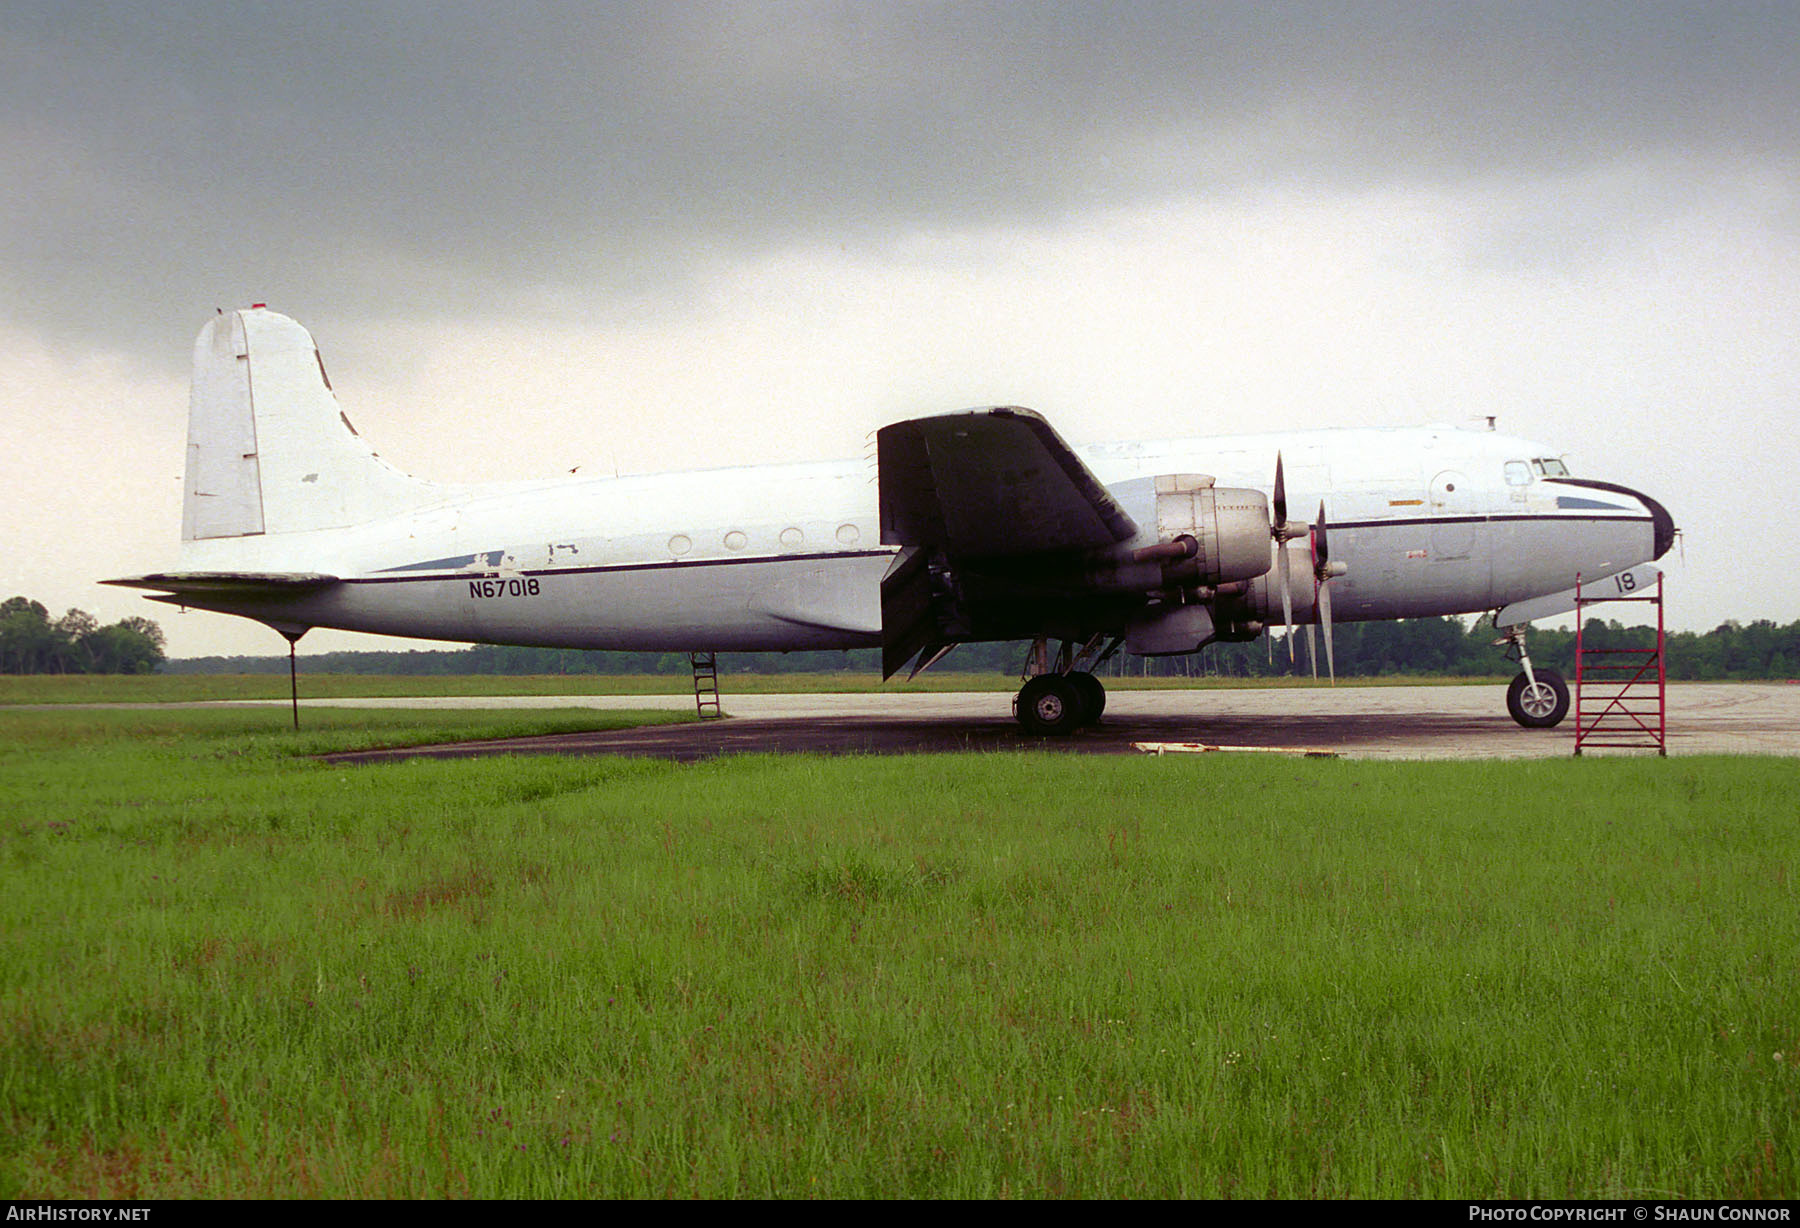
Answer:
(1205, 536)
(1262, 596)
(1228, 525)
(1170, 631)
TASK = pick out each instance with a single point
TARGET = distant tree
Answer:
(120, 649)
(146, 628)
(76, 643)
(27, 640)
(74, 648)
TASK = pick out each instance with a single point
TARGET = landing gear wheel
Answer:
(1093, 695)
(1541, 705)
(1050, 705)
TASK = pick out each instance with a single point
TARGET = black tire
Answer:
(1542, 706)
(1093, 695)
(1050, 706)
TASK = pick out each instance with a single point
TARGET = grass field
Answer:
(200, 688)
(229, 971)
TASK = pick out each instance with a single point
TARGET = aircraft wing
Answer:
(991, 483)
(1639, 579)
(981, 486)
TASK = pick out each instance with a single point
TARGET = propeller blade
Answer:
(1287, 598)
(1325, 622)
(1312, 652)
(1323, 571)
(1280, 494)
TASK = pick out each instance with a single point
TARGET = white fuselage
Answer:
(1427, 521)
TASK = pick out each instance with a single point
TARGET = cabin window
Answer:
(735, 540)
(1518, 473)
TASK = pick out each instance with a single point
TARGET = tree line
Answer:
(32, 643)
(1415, 646)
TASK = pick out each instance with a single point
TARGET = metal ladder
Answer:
(706, 684)
(1619, 692)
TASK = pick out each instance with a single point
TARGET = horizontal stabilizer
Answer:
(228, 583)
(275, 598)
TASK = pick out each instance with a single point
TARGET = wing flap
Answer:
(909, 623)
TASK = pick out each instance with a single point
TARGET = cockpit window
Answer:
(1518, 473)
(1550, 467)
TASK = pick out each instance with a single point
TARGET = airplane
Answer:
(977, 525)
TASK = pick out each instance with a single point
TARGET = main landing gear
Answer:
(1536, 698)
(1057, 699)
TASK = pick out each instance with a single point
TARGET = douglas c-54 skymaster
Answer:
(985, 526)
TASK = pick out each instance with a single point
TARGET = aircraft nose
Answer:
(1662, 525)
(1661, 522)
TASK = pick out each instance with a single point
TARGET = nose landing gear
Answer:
(1536, 698)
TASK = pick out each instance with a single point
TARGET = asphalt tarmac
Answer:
(1413, 722)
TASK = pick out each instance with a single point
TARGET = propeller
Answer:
(1281, 531)
(1323, 571)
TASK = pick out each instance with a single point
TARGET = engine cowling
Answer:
(1229, 528)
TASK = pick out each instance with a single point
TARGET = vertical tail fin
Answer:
(269, 451)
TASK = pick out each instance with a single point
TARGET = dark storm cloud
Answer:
(519, 157)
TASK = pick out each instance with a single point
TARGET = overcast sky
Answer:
(646, 237)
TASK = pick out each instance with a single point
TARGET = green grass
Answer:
(226, 971)
(198, 688)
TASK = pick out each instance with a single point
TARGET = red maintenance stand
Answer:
(1619, 692)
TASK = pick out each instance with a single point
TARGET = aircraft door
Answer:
(1452, 506)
